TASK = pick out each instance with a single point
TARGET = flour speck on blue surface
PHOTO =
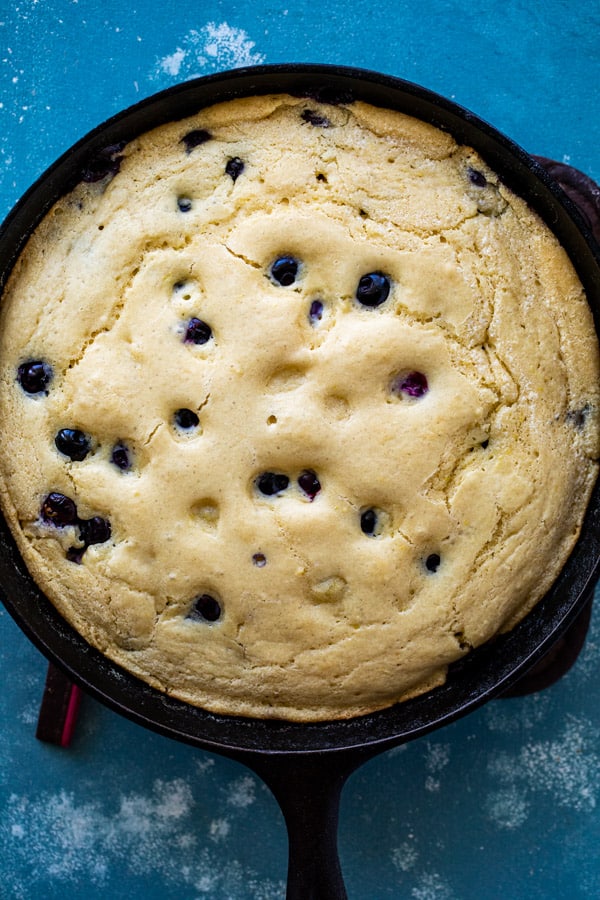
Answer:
(214, 47)
(565, 769)
(149, 834)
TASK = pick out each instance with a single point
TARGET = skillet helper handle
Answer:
(579, 188)
(308, 789)
(59, 708)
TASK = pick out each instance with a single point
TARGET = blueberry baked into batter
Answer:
(299, 405)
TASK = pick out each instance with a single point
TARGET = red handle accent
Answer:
(59, 708)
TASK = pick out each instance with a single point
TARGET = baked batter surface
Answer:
(299, 404)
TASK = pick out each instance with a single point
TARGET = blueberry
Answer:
(270, 483)
(75, 554)
(314, 118)
(94, 531)
(195, 138)
(59, 510)
(432, 562)
(309, 483)
(120, 456)
(184, 204)
(73, 443)
(476, 177)
(197, 332)
(186, 419)
(234, 168)
(206, 608)
(373, 289)
(368, 521)
(413, 384)
(106, 162)
(315, 313)
(577, 417)
(34, 376)
(284, 270)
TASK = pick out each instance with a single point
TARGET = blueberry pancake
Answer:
(299, 405)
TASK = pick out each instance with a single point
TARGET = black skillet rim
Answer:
(482, 674)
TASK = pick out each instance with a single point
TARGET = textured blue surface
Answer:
(505, 803)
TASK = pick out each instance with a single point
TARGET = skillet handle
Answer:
(308, 789)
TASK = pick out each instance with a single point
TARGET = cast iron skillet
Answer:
(306, 765)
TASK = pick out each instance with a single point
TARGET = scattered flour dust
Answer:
(212, 48)
(242, 792)
(426, 884)
(567, 769)
(526, 715)
(219, 829)
(437, 757)
(431, 886)
(405, 856)
(507, 807)
(148, 835)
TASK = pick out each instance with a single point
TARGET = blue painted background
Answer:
(505, 803)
